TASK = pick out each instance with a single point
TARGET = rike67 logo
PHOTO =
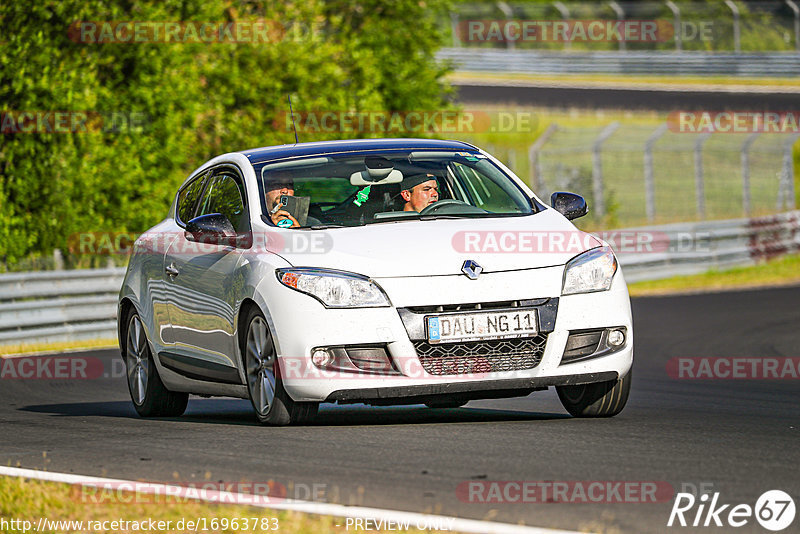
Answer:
(774, 510)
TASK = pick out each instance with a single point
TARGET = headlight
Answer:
(334, 289)
(590, 271)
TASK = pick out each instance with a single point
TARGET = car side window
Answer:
(188, 197)
(223, 195)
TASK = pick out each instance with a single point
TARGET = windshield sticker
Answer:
(362, 196)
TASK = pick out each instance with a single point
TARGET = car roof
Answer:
(270, 153)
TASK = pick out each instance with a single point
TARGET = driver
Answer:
(275, 188)
(419, 191)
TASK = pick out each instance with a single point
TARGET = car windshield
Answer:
(369, 188)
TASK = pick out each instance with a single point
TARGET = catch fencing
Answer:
(636, 174)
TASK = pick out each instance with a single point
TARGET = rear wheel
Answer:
(272, 404)
(600, 399)
(149, 395)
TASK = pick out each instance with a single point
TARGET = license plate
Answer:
(487, 325)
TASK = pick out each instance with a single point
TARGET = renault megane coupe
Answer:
(388, 271)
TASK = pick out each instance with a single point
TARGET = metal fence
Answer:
(633, 174)
(774, 64)
(734, 26)
(49, 306)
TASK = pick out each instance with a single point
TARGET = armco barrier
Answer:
(692, 248)
(48, 306)
(629, 62)
(68, 305)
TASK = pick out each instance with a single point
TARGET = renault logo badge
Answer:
(471, 269)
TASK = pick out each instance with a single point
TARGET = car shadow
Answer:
(239, 412)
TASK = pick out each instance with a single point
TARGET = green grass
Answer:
(31, 499)
(61, 346)
(780, 271)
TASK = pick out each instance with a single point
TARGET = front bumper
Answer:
(300, 324)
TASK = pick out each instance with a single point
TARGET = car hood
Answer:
(439, 247)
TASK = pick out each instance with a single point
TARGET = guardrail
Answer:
(775, 64)
(51, 306)
(654, 252)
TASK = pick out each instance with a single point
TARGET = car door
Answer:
(205, 285)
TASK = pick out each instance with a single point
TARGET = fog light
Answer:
(616, 338)
(321, 358)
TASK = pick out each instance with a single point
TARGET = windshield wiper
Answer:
(326, 226)
(446, 216)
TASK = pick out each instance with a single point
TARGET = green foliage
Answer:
(198, 99)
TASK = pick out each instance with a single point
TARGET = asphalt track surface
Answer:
(741, 436)
(629, 99)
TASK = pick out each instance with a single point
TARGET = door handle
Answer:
(171, 270)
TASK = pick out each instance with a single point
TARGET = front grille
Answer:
(489, 356)
(502, 305)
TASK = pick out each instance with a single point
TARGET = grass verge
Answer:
(30, 500)
(61, 346)
(777, 272)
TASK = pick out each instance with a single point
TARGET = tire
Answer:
(442, 404)
(600, 399)
(272, 404)
(149, 395)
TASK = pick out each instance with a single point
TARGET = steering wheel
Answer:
(440, 204)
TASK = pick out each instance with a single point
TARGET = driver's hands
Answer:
(281, 215)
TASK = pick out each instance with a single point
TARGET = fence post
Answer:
(649, 181)
(745, 157)
(737, 45)
(786, 198)
(597, 169)
(509, 14)
(454, 29)
(796, 10)
(699, 186)
(620, 16)
(533, 159)
(676, 13)
(562, 9)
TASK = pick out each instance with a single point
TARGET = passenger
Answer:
(419, 191)
(275, 189)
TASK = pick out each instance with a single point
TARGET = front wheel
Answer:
(149, 395)
(600, 399)
(272, 404)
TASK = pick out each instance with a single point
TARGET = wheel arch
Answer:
(125, 306)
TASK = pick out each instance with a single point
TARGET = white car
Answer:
(389, 271)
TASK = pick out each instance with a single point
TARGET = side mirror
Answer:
(569, 205)
(213, 229)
